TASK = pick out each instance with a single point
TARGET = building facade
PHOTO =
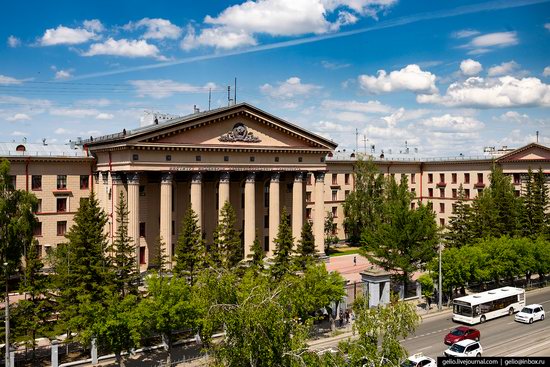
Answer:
(259, 163)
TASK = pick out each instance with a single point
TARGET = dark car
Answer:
(462, 333)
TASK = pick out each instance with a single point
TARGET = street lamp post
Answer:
(439, 283)
(7, 315)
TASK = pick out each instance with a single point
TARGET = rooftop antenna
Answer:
(537, 136)
(365, 143)
(209, 97)
(229, 96)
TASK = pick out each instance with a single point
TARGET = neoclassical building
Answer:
(258, 162)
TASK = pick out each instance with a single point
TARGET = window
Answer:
(13, 181)
(413, 191)
(36, 182)
(441, 177)
(346, 178)
(266, 243)
(39, 206)
(430, 192)
(430, 178)
(517, 192)
(308, 196)
(480, 178)
(413, 206)
(467, 178)
(141, 190)
(346, 194)
(266, 221)
(442, 207)
(168, 157)
(454, 194)
(61, 228)
(142, 229)
(198, 158)
(442, 192)
(335, 212)
(61, 182)
(300, 159)
(308, 213)
(226, 158)
(454, 208)
(37, 230)
(467, 193)
(276, 159)
(335, 179)
(135, 157)
(84, 182)
(442, 222)
(413, 178)
(266, 195)
(308, 179)
(252, 159)
(517, 179)
(173, 228)
(453, 178)
(334, 195)
(61, 204)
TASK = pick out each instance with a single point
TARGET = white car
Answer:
(530, 313)
(419, 360)
(464, 348)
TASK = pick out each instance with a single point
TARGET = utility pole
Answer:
(7, 319)
(439, 283)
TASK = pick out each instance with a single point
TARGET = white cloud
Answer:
(94, 25)
(513, 116)
(8, 80)
(333, 66)
(19, 133)
(63, 74)
(402, 115)
(450, 123)
(74, 112)
(354, 106)
(465, 33)
(156, 28)
(291, 88)
(505, 91)
(104, 116)
(503, 69)
(329, 126)
(96, 102)
(124, 47)
(410, 78)
(66, 36)
(363, 7)
(216, 37)
(546, 71)
(547, 26)
(28, 102)
(14, 41)
(19, 117)
(488, 42)
(161, 88)
(62, 131)
(470, 67)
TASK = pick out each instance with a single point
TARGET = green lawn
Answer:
(343, 251)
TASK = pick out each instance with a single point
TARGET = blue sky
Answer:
(439, 77)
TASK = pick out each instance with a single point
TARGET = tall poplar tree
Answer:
(190, 248)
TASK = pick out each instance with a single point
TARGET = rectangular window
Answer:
(198, 158)
(346, 178)
(442, 207)
(334, 195)
(276, 159)
(84, 182)
(13, 181)
(266, 196)
(61, 182)
(141, 190)
(266, 221)
(252, 159)
(467, 193)
(61, 228)
(39, 206)
(454, 194)
(300, 159)
(442, 222)
(335, 212)
(308, 179)
(441, 177)
(266, 243)
(61, 205)
(517, 179)
(454, 208)
(430, 192)
(480, 178)
(441, 192)
(335, 179)
(413, 191)
(413, 178)
(467, 178)
(168, 157)
(37, 231)
(413, 205)
(430, 178)
(308, 196)
(346, 194)
(135, 157)
(308, 213)
(36, 182)
(142, 229)
(454, 178)
(226, 158)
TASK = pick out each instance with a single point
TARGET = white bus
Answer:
(480, 307)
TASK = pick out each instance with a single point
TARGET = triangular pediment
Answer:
(531, 152)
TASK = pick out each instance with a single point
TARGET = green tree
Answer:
(427, 285)
(306, 246)
(82, 278)
(257, 254)
(406, 238)
(168, 306)
(459, 231)
(541, 255)
(122, 254)
(284, 241)
(541, 206)
(227, 239)
(190, 249)
(330, 228)
(507, 204)
(484, 216)
(364, 203)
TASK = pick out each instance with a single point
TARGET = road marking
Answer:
(424, 348)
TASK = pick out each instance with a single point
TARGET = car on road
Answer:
(530, 313)
(419, 360)
(462, 333)
(464, 348)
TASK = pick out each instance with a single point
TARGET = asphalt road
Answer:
(502, 337)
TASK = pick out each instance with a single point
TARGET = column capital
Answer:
(132, 178)
(250, 177)
(225, 177)
(196, 177)
(116, 177)
(299, 177)
(105, 177)
(275, 176)
(319, 176)
(167, 177)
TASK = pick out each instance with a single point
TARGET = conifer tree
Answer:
(122, 252)
(190, 249)
(160, 262)
(83, 279)
(306, 246)
(459, 230)
(227, 240)
(541, 219)
(506, 203)
(257, 254)
(284, 242)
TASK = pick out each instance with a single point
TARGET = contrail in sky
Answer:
(391, 23)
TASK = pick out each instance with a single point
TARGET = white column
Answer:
(196, 196)
(249, 213)
(274, 209)
(223, 191)
(133, 210)
(319, 221)
(297, 206)
(166, 214)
